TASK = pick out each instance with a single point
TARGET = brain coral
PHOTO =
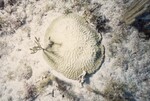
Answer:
(72, 46)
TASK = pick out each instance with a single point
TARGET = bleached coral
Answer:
(72, 46)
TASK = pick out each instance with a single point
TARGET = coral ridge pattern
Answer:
(72, 46)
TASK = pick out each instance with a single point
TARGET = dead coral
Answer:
(30, 92)
(11, 75)
(101, 23)
(11, 17)
(1, 4)
(35, 89)
(116, 91)
(12, 2)
(95, 91)
(47, 79)
(65, 89)
(24, 72)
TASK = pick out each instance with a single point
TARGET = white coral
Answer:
(72, 46)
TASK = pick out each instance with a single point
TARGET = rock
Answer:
(138, 15)
(12, 2)
(24, 72)
(1, 4)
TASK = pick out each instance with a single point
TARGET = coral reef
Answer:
(123, 76)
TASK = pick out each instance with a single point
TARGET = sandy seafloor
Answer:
(124, 75)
